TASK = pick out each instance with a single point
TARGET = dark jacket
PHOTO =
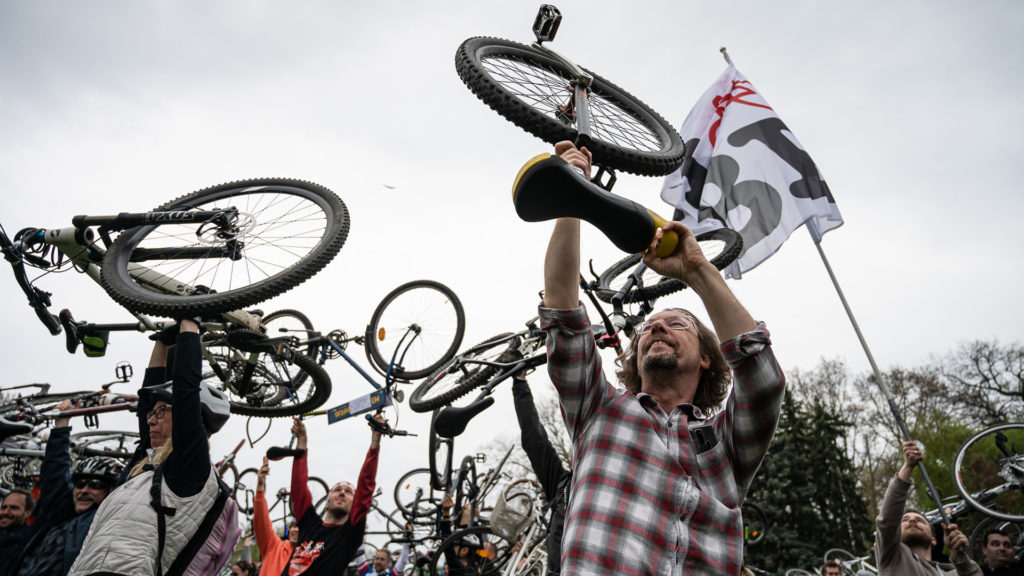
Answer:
(55, 509)
(10, 545)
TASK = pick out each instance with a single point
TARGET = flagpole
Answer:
(932, 492)
(725, 55)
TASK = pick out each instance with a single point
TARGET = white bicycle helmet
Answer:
(215, 405)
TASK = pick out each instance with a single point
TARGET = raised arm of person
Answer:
(55, 488)
(562, 260)
(367, 483)
(262, 527)
(688, 264)
(188, 466)
(887, 524)
(403, 556)
(302, 499)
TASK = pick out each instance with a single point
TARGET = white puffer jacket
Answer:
(123, 538)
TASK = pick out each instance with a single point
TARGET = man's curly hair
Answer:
(714, 381)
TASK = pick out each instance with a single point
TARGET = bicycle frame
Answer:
(79, 245)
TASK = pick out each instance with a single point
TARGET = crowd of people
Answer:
(660, 464)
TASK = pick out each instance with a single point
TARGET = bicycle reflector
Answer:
(380, 333)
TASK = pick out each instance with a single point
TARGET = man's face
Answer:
(339, 500)
(12, 511)
(664, 348)
(998, 551)
(831, 571)
(381, 561)
(89, 492)
(160, 421)
(293, 535)
(916, 531)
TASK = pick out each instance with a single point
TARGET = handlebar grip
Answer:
(51, 322)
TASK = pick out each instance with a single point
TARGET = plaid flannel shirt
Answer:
(657, 493)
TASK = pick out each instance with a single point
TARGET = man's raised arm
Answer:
(562, 260)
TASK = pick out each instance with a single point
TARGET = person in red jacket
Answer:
(326, 545)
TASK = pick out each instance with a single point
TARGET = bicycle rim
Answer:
(463, 373)
(285, 231)
(419, 325)
(993, 461)
(721, 247)
(535, 92)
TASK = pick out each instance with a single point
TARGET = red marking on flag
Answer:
(735, 95)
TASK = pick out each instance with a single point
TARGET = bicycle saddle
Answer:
(277, 453)
(451, 421)
(8, 428)
(548, 187)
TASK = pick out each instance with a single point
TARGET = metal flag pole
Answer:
(932, 492)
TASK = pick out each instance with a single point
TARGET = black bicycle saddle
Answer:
(548, 187)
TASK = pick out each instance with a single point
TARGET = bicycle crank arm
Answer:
(547, 187)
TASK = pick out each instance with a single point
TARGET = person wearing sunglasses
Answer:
(661, 467)
(68, 501)
(173, 514)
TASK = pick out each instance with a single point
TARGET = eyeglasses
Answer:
(91, 483)
(676, 323)
(158, 412)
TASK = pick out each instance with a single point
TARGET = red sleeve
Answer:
(302, 500)
(364, 489)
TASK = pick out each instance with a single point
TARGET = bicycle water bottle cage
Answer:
(545, 26)
(547, 187)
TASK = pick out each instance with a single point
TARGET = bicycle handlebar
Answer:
(384, 428)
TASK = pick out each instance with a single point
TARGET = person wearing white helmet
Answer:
(173, 514)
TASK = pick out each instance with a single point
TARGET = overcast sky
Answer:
(910, 109)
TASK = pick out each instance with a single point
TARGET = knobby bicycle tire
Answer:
(466, 489)
(433, 311)
(439, 453)
(527, 87)
(302, 224)
(980, 464)
(462, 374)
(721, 247)
(490, 564)
(306, 398)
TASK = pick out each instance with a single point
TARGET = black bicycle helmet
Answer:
(216, 408)
(98, 468)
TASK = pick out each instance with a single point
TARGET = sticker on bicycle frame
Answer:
(372, 401)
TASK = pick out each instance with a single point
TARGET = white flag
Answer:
(745, 170)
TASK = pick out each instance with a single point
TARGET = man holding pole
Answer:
(904, 540)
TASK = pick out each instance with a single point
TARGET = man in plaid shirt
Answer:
(659, 472)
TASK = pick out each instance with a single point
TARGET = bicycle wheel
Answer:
(466, 489)
(535, 92)
(269, 397)
(422, 321)
(440, 456)
(414, 497)
(721, 247)
(989, 472)
(464, 373)
(284, 232)
(120, 445)
(297, 327)
(244, 488)
(487, 555)
(1015, 531)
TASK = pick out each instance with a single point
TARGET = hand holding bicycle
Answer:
(684, 262)
(261, 476)
(64, 406)
(299, 431)
(580, 158)
(955, 541)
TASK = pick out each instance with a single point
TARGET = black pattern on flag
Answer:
(745, 170)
